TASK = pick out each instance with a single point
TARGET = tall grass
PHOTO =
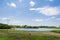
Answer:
(21, 35)
(56, 31)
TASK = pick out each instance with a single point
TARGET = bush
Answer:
(4, 26)
(56, 31)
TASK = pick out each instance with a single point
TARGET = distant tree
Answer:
(4, 26)
(25, 26)
(18, 26)
(29, 26)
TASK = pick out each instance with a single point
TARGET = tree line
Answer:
(6, 26)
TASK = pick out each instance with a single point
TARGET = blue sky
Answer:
(30, 12)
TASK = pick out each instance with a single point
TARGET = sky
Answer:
(30, 12)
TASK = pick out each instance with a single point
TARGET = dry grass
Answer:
(25, 35)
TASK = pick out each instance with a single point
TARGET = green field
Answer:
(56, 31)
(25, 35)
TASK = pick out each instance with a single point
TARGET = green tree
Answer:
(4, 26)
(25, 26)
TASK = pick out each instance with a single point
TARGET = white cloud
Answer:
(47, 10)
(44, 20)
(50, 0)
(14, 22)
(4, 18)
(12, 5)
(51, 18)
(32, 3)
(38, 20)
(33, 9)
(58, 19)
(20, 1)
(10, 21)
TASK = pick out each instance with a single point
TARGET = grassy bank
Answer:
(25, 35)
(56, 31)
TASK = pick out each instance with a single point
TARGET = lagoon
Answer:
(36, 29)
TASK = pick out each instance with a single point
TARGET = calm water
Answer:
(36, 29)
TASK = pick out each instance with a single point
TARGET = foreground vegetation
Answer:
(25, 35)
(7, 33)
(56, 31)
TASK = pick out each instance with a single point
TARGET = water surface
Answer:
(36, 29)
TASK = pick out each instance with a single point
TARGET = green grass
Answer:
(56, 31)
(25, 35)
